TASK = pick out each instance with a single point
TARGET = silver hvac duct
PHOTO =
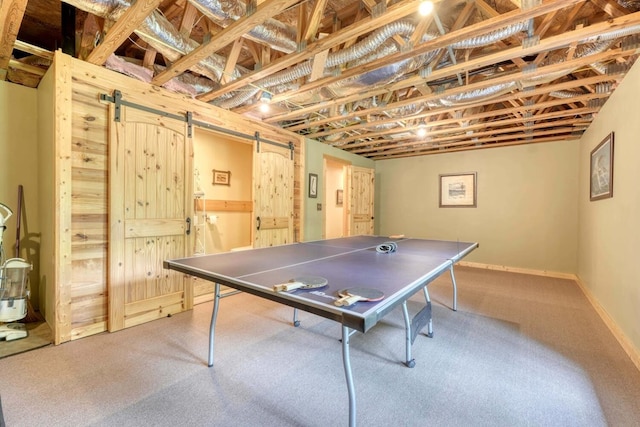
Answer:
(590, 46)
(372, 47)
(276, 34)
(159, 33)
(163, 37)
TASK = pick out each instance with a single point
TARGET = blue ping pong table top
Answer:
(344, 262)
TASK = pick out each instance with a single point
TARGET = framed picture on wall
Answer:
(313, 185)
(601, 182)
(339, 197)
(458, 190)
(221, 177)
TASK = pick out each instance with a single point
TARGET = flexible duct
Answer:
(565, 94)
(163, 37)
(277, 35)
(359, 50)
(159, 33)
(632, 5)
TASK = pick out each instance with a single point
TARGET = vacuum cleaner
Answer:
(14, 288)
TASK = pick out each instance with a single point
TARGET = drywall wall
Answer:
(211, 151)
(609, 229)
(314, 155)
(19, 166)
(526, 203)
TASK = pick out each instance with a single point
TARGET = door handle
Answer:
(188, 226)
(258, 222)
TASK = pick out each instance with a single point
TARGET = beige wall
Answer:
(215, 151)
(314, 156)
(527, 203)
(609, 229)
(18, 166)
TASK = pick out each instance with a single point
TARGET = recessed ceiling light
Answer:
(425, 8)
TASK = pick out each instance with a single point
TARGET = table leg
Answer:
(430, 325)
(407, 329)
(296, 322)
(455, 289)
(214, 315)
(347, 373)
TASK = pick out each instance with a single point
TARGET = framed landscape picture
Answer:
(221, 177)
(601, 182)
(458, 190)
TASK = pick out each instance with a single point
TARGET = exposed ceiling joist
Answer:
(361, 76)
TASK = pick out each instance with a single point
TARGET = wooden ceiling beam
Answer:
(492, 117)
(33, 50)
(11, 14)
(91, 34)
(437, 150)
(232, 60)
(225, 37)
(122, 29)
(441, 42)
(554, 118)
(445, 136)
(493, 13)
(397, 11)
(315, 17)
(453, 109)
(458, 90)
(188, 19)
(611, 8)
(473, 139)
(552, 42)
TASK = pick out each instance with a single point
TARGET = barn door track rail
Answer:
(187, 118)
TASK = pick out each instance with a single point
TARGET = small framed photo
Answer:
(221, 177)
(458, 190)
(601, 186)
(313, 185)
(339, 197)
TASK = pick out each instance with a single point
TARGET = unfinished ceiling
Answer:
(375, 79)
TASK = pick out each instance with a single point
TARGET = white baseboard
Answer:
(529, 271)
(626, 344)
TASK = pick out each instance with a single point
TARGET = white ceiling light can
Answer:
(425, 7)
(265, 100)
(422, 130)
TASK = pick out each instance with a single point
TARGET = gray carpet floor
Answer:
(520, 351)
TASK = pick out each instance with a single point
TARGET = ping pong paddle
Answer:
(303, 282)
(351, 296)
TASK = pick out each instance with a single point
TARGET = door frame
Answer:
(329, 198)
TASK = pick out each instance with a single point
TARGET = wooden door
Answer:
(362, 188)
(273, 195)
(150, 200)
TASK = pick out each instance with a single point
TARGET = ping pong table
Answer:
(345, 262)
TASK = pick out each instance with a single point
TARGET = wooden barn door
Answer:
(150, 200)
(362, 188)
(273, 195)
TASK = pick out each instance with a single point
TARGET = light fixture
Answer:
(422, 129)
(265, 100)
(425, 7)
